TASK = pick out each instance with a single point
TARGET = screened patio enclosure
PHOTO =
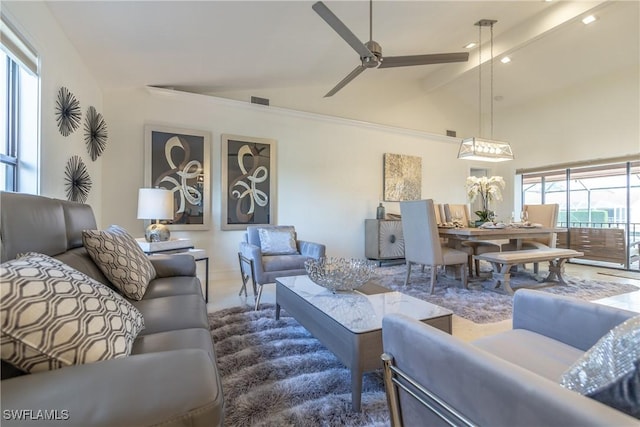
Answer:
(600, 206)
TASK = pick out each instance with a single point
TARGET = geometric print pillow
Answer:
(121, 260)
(54, 316)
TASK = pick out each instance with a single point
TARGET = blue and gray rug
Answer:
(479, 303)
(274, 373)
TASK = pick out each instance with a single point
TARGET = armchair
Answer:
(511, 378)
(271, 251)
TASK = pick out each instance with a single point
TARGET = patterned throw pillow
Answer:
(121, 260)
(54, 316)
(277, 241)
(608, 371)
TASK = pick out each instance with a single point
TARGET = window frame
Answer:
(20, 166)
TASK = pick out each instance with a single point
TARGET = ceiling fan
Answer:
(371, 52)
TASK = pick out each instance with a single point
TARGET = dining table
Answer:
(515, 234)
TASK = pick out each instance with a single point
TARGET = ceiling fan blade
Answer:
(436, 58)
(352, 75)
(342, 30)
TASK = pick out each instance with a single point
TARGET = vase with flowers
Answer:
(489, 189)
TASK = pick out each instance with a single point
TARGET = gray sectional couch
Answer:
(510, 378)
(171, 377)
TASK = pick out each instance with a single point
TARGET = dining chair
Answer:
(422, 243)
(547, 216)
(437, 208)
(475, 247)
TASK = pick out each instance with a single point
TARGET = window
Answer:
(602, 195)
(18, 112)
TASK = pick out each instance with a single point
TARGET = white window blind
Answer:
(16, 46)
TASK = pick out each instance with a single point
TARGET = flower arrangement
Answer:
(489, 189)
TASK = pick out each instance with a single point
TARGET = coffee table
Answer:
(350, 323)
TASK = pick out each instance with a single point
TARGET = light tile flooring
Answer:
(224, 294)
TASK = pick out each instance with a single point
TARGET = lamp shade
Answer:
(155, 203)
(486, 150)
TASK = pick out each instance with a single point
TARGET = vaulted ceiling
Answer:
(227, 47)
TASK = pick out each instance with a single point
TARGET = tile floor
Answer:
(224, 294)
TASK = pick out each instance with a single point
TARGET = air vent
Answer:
(258, 100)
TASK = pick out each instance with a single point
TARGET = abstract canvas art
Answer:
(179, 160)
(248, 181)
(402, 177)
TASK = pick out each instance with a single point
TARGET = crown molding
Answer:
(226, 102)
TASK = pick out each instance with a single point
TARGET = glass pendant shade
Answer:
(485, 150)
(474, 148)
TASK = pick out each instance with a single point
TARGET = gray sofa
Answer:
(511, 378)
(170, 379)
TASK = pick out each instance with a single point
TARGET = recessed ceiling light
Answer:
(470, 45)
(505, 60)
(588, 19)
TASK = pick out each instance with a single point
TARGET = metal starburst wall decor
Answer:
(77, 181)
(68, 112)
(95, 133)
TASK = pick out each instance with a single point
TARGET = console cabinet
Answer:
(383, 239)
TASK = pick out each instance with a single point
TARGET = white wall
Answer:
(599, 119)
(329, 171)
(60, 65)
(402, 105)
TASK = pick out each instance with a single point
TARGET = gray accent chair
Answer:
(422, 243)
(507, 379)
(263, 269)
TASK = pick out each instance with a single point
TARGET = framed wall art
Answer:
(402, 177)
(179, 160)
(248, 181)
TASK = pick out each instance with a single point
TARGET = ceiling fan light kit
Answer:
(477, 148)
(371, 52)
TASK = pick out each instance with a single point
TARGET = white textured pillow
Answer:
(277, 241)
(55, 316)
(121, 260)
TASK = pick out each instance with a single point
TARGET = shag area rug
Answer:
(480, 303)
(274, 373)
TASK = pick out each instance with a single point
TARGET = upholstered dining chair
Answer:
(272, 251)
(422, 243)
(547, 216)
(437, 208)
(475, 247)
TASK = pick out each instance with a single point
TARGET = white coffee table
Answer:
(350, 323)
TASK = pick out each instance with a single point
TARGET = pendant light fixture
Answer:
(478, 148)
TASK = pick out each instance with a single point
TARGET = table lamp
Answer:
(155, 204)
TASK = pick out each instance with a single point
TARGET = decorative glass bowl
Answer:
(339, 274)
